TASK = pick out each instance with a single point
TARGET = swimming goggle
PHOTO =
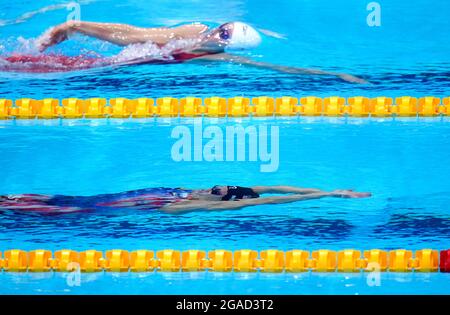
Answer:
(224, 33)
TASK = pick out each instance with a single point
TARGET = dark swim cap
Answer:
(239, 193)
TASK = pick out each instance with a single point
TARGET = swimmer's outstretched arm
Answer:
(284, 190)
(119, 34)
(293, 70)
(180, 208)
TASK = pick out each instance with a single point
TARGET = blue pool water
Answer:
(399, 161)
(404, 162)
(405, 55)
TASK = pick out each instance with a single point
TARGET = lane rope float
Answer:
(263, 106)
(245, 260)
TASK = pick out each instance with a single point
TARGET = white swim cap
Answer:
(243, 37)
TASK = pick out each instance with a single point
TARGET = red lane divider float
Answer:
(445, 261)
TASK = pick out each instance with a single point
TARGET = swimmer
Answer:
(171, 200)
(210, 44)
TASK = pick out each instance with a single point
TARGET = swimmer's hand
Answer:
(348, 193)
(55, 35)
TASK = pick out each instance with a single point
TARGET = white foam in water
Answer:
(134, 52)
(27, 46)
(137, 51)
(41, 40)
(3, 63)
(19, 45)
(153, 51)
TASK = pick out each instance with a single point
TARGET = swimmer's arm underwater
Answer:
(119, 34)
(180, 208)
(293, 70)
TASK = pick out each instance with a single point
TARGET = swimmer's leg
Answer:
(35, 203)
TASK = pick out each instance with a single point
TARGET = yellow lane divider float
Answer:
(246, 260)
(263, 106)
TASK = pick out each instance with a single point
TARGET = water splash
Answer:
(19, 45)
(23, 55)
(152, 51)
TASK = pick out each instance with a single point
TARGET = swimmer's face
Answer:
(218, 39)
